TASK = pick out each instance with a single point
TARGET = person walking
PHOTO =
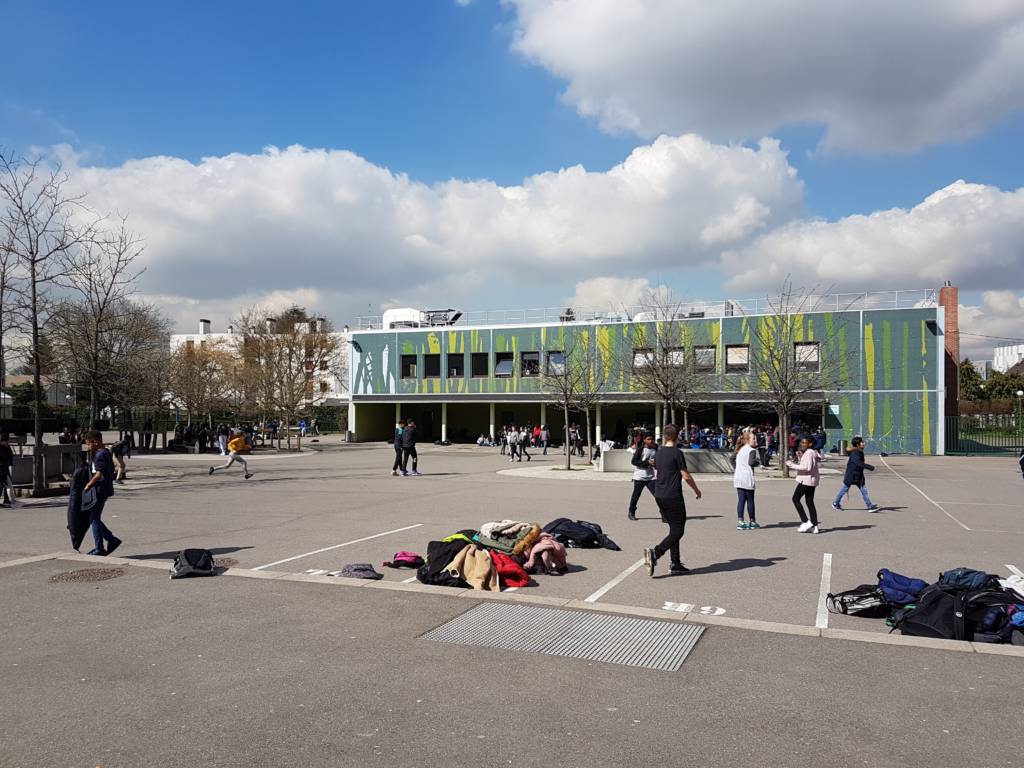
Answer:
(399, 429)
(513, 443)
(524, 441)
(222, 438)
(643, 472)
(6, 466)
(118, 450)
(102, 483)
(1020, 461)
(854, 476)
(743, 482)
(409, 449)
(236, 445)
(807, 479)
(545, 438)
(670, 472)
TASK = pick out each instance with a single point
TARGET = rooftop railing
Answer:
(682, 309)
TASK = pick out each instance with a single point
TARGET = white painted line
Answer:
(1015, 570)
(933, 501)
(410, 580)
(613, 583)
(336, 546)
(511, 589)
(821, 621)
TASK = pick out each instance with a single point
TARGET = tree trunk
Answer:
(672, 414)
(38, 479)
(565, 431)
(686, 419)
(783, 440)
(590, 450)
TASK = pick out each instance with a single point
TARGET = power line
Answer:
(984, 336)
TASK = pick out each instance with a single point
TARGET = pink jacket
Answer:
(807, 468)
(547, 543)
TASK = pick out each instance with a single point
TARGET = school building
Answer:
(460, 376)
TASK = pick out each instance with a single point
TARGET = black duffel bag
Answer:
(193, 562)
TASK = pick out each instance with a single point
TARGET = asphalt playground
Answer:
(289, 665)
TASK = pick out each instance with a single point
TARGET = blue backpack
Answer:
(899, 589)
(968, 578)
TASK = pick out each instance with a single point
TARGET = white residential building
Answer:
(1006, 356)
(331, 382)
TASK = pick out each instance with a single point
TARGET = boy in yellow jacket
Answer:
(236, 444)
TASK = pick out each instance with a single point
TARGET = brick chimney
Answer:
(949, 300)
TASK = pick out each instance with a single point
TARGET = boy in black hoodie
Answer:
(855, 466)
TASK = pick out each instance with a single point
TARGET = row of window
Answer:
(705, 360)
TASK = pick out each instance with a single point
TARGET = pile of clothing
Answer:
(964, 604)
(504, 553)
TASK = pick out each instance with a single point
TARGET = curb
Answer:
(754, 625)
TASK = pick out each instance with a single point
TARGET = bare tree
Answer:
(571, 381)
(285, 358)
(664, 360)
(10, 296)
(38, 229)
(792, 368)
(94, 323)
(197, 376)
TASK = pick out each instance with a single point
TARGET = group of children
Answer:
(662, 471)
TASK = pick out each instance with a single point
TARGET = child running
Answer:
(643, 474)
(102, 480)
(807, 478)
(235, 445)
(670, 465)
(743, 481)
(854, 476)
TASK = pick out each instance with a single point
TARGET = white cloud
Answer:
(240, 226)
(967, 233)
(997, 320)
(879, 76)
(610, 293)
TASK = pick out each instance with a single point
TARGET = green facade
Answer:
(888, 386)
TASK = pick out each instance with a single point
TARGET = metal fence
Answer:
(683, 309)
(998, 434)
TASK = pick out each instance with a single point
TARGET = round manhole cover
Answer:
(87, 575)
(225, 562)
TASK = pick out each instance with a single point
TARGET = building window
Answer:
(324, 386)
(480, 363)
(556, 363)
(503, 365)
(408, 366)
(431, 366)
(323, 365)
(675, 357)
(456, 366)
(705, 359)
(737, 359)
(643, 357)
(530, 363)
(808, 356)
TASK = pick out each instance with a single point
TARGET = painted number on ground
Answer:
(703, 610)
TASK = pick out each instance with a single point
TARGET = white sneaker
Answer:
(804, 528)
(814, 529)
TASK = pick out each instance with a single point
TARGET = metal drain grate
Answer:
(647, 643)
(87, 575)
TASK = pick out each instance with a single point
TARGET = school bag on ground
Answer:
(954, 613)
(192, 562)
(867, 600)
(967, 578)
(899, 589)
(404, 559)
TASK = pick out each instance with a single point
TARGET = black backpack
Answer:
(867, 600)
(955, 613)
(193, 562)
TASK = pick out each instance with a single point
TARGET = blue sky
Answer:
(424, 87)
(439, 90)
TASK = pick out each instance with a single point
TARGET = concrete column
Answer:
(398, 412)
(444, 422)
(657, 421)
(721, 414)
(492, 433)
(543, 413)
(597, 423)
(352, 420)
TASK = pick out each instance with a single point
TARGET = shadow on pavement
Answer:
(738, 564)
(172, 555)
(827, 529)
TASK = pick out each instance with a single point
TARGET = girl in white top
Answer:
(743, 481)
(807, 478)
